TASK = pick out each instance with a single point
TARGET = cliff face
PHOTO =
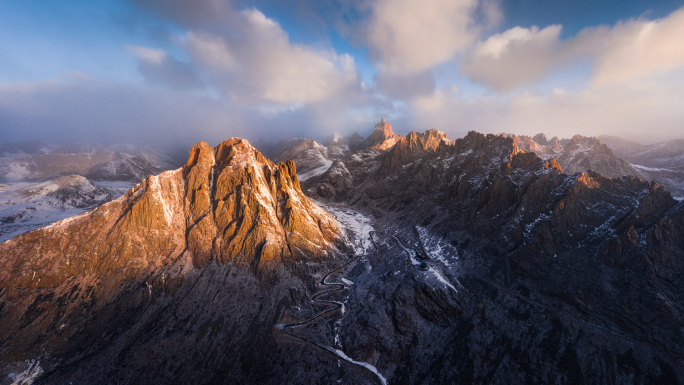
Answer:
(239, 205)
(227, 205)
(412, 147)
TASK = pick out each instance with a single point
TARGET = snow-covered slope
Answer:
(25, 206)
(661, 162)
(115, 163)
(43, 183)
(312, 158)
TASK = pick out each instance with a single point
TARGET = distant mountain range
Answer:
(661, 162)
(381, 259)
(42, 183)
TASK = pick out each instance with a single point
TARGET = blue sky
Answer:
(176, 71)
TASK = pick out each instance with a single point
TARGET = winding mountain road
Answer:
(333, 307)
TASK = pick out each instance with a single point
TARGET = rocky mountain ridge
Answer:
(39, 162)
(614, 157)
(578, 154)
(479, 262)
(506, 213)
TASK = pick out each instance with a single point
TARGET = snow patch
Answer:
(156, 187)
(31, 372)
(364, 364)
(644, 168)
(17, 171)
(358, 224)
(316, 171)
(435, 247)
(442, 279)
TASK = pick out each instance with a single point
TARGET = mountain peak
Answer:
(226, 204)
(540, 138)
(382, 137)
(237, 152)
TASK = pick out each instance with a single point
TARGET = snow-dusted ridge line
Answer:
(442, 279)
(644, 168)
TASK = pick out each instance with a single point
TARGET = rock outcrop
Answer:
(412, 147)
(585, 153)
(382, 136)
(544, 148)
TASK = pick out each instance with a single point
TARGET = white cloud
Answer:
(631, 50)
(149, 55)
(93, 110)
(643, 110)
(159, 67)
(637, 48)
(249, 56)
(256, 62)
(407, 36)
(513, 58)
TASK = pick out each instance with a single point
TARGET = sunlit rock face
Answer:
(226, 205)
(382, 137)
(239, 205)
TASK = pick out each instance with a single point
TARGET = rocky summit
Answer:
(226, 206)
(421, 259)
